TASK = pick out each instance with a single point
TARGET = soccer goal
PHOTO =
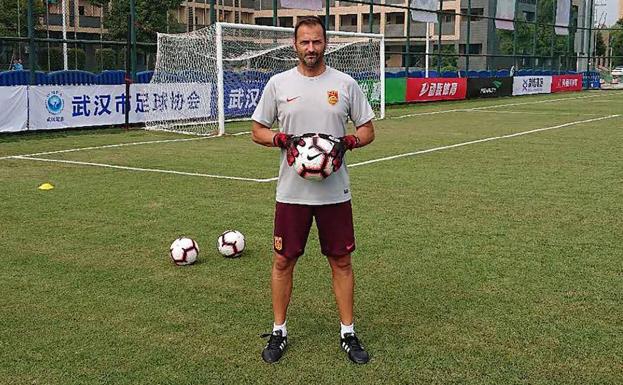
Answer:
(217, 74)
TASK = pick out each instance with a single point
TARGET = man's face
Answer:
(310, 45)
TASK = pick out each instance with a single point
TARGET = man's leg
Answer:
(337, 240)
(343, 286)
(292, 224)
(281, 285)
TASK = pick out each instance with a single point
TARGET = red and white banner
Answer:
(562, 83)
(431, 89)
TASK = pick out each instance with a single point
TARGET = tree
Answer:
(600, 45)
(9, 19)
(529, 33)
(617, 43)
(150, 18)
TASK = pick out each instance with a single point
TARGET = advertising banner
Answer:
(563, 13)
(505, 10)
(395, 90)
(14, 111)
(562, 83)
(527, 85)
(54, 107)
(431, 89)
(424, 16)
(241, 97)
(170, 101)
(489, 87)
(591, 80)
(312, 5)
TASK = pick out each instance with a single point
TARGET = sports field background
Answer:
(489, 251)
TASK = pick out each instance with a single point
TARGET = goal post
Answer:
(208, 77)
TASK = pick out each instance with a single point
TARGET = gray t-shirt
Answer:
(320, 104)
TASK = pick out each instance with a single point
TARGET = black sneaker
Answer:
(275, 347)
(352, 347)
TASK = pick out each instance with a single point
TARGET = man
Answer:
(17, 65)
(312, 98)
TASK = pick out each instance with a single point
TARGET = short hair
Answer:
(310, 21)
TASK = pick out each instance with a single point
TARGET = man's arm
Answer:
(365, 134)
(262, 134)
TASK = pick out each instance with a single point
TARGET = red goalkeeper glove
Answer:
(289, 143)
(342, 144)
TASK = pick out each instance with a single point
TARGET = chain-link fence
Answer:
(464, 35)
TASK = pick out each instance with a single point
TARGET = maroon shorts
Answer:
(334, 222)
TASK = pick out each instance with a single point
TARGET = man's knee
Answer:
(341, 264)
(282, 264)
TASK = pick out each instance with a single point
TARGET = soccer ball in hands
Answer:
(184, 251)
(314, 161)
(230, 244)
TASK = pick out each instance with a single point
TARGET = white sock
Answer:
(281, 327)
(346, 329)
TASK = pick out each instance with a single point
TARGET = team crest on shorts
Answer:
(332, 97)
(278, 243)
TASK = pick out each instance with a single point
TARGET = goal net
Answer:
(217, 74)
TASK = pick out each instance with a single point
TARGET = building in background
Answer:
(84, 21)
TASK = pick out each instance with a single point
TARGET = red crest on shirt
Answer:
(332, 97)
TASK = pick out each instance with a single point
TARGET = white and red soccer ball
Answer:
(231, 244)
(314, 161)
(184, 251)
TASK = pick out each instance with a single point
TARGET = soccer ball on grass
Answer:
(230, 244)
(184, 251)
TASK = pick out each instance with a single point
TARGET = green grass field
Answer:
(496, 261)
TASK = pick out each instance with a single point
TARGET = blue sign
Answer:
(55, 103)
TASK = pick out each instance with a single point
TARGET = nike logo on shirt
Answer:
(291, 99)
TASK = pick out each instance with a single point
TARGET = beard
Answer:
(310, 60)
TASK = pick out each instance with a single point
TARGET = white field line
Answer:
(248, 132)
(351, 165)
(142, 169)
(495, 106)
(119, 145)
(531, 113)
(481, 140)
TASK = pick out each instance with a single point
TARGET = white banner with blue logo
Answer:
(14, 111)
(527, 85)
(170, 101)
(54, 107)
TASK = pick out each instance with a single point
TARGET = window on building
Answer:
(395, 18)
(81, 10)
(474, 49)
(475, 13)
(528, 16)
(286, 21)
(447, 16)
(376, 19)
(264, 20)
(348, 20)
(331, 25)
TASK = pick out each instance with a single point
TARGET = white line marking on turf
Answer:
(493, 106)
(481, 141)
(531, 113)
(351, 165)
(142, 169)
(121, 145)
(248, 132)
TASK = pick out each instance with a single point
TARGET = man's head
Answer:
(310, 41)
